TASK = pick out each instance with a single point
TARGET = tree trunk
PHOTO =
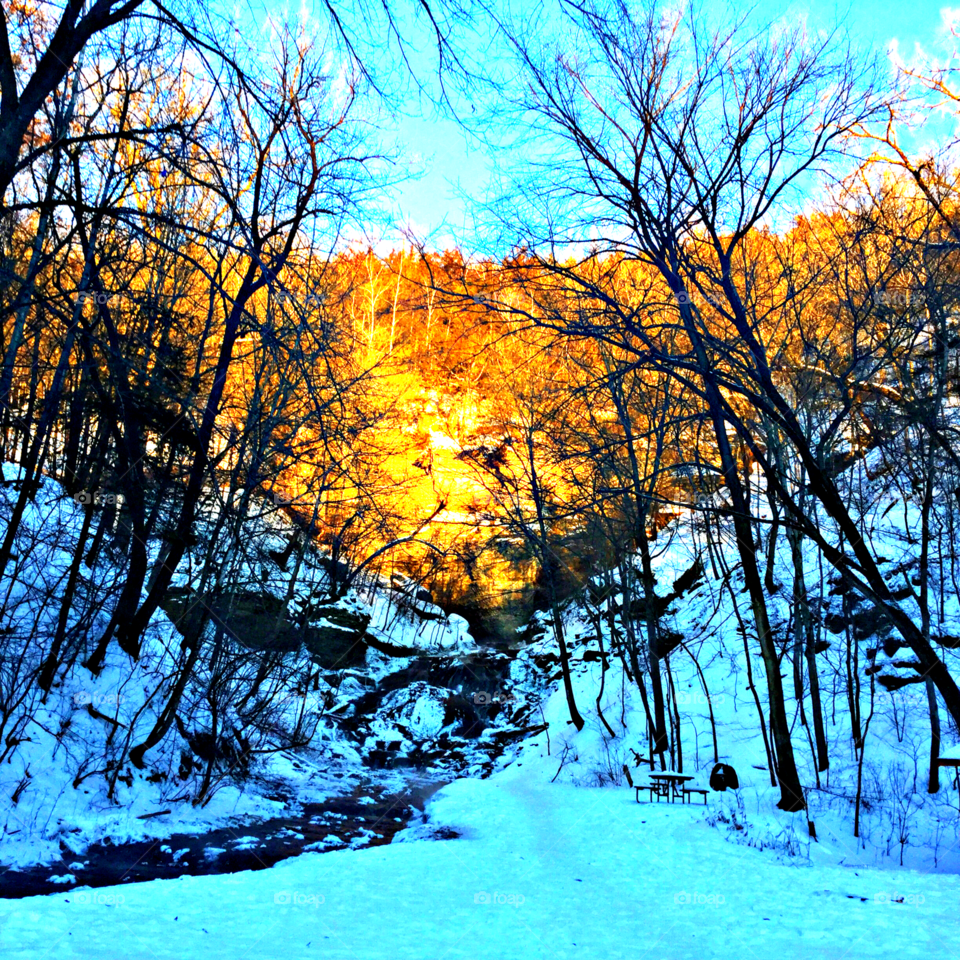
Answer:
(808, 638)
(791, 791)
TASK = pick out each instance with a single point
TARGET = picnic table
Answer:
(951, 758)
(669, 784)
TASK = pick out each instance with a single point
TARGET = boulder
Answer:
(336, 640)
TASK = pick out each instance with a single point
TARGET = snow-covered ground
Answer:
(900, 823)
(539, 871)
(65, 777)
(553, 858)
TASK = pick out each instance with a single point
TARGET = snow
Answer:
(54, 795)
(900, 822)
(419, 707)
(555, 858)
(540, 871)
(440, 441)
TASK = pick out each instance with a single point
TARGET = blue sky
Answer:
(450, 163)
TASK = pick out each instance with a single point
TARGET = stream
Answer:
(463, 690)
(367, 817)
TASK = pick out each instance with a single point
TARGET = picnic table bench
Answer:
(670, 785)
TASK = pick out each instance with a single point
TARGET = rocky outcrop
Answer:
(260, 621)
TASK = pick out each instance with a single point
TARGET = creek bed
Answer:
(366, 818)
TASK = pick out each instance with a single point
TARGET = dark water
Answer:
(367, 818)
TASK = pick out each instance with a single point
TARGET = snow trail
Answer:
(540, 871)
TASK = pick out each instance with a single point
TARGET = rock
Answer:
(459, 710)
(420, 708)
(260, 621)
(255, 620)
(419, 608)
(337, 640)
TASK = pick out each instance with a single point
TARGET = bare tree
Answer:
(679, 140)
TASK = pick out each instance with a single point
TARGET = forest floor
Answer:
(537, 870)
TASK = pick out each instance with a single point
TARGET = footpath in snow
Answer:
(538, 871)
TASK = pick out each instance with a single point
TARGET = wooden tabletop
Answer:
(669, 776)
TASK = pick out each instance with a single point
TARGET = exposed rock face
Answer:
(337, 639)
(260, 621)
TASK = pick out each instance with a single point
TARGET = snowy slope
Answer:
(899, 820)
(555, 859)
(65, 776)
